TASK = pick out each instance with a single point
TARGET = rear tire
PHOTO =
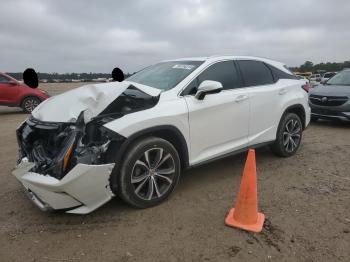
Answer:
(30, 103)
(289, 135)
(148, 173)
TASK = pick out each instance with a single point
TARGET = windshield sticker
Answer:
(187, 67)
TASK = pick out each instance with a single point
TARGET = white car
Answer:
(327, 76)
(133, 138)
(315, 79)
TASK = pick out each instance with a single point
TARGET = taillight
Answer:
(306, 87)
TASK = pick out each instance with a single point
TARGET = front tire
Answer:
(289, 135)
(30, 103)
(149, 172)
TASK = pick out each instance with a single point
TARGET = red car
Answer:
(15, 93)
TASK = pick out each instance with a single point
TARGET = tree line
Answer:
(309, 66)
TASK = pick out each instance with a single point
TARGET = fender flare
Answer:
(294, 108)
(181, 147)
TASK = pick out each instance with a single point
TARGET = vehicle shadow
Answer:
(192, 180)
(216, 172)
(11, 111)
(196, 184)
(330, 123)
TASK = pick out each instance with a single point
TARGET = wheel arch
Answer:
(166, 132)
(297, 109)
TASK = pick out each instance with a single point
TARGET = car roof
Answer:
(220, 57)
(216, 58)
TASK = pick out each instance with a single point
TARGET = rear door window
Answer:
(255, 73)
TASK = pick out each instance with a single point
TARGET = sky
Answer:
(96, 36)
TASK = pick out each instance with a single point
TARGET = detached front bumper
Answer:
(81, 191)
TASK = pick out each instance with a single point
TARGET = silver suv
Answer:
(332, 99)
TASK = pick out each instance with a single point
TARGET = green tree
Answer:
(307, 66)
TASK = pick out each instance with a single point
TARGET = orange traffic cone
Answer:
(245, 215)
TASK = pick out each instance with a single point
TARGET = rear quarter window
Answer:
(279, 74)
(255, 73)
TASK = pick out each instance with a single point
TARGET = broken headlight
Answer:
(55, 148)
(61, 161)
(93, 142)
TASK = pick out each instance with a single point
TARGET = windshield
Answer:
(342, 79)
(165, 75)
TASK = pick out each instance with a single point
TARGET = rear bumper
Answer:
(81, 191)
(307, 116)
(43, 95)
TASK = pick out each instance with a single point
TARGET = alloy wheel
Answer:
(30, 104)
(291, 135)
(153, 174)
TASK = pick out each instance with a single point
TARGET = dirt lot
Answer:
(306, 199)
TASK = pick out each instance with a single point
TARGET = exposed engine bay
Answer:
(56, 147)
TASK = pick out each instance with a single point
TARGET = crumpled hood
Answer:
(330, 90)
(93, 98)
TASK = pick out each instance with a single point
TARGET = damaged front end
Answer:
(63, 165)
(66, 165)
(55, 148)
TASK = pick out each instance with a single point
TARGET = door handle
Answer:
(282, 91)
(241, 98)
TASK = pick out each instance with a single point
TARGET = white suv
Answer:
(133, 138)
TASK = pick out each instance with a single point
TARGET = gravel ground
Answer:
(306, 200)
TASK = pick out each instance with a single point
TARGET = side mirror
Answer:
(208, 87)
(12, 82)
